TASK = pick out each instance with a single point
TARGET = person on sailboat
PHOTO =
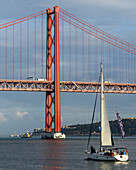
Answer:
(92, 149)
(124, 152)
(127, 152)
(111, 153)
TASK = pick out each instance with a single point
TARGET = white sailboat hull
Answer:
(122, 158)
(101, 157)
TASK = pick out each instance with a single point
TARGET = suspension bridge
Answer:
(54, 51)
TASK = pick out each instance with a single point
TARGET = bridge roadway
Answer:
(66, 86)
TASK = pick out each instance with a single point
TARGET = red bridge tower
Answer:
(53, 57)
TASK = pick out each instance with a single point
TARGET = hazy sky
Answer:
(21, 111)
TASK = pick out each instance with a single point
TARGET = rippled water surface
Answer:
(58, 154)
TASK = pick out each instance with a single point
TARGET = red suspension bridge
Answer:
(74, 50)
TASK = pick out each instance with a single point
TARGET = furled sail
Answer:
(121, 125)
(106, 139)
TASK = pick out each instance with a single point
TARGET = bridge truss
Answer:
(66, 86)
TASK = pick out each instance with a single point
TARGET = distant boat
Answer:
(14, 136)
(107, 150)
(26, 135)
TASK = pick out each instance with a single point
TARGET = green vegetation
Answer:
(83, 129)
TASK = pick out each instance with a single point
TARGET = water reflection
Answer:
(121, 163)
(53, 154)
(103, 165)
(113, 165)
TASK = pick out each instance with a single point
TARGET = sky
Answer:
(22, 111)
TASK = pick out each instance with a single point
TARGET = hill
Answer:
(129, 125)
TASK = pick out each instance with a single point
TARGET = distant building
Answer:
(130, 118)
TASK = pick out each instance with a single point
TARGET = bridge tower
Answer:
(53, 57)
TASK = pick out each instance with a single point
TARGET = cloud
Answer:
(20, 115)
(2, 118)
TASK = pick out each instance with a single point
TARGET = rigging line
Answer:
(96, 59)
(101, 51)
(76, 51)
(6, 53)
(109, 63)
(70, 51)
(96, 35)
(107, 60)
(126, 65)
(99, 30)
(62, 50)
(122, 65)
(28, 48)
(13, 52)
(22, 20)
(91, 126)
(113, 64)
(131, 70)
(131, 66)
(118, 65)
(116, 62)
(20, 51)
(103, 58)
(83, 56)
(134, 67)
(35, 48)
(89, 58)
(42, 46)
(126, 68)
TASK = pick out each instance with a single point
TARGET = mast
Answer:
(101, 105)
(102, 93)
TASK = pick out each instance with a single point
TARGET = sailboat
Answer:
(108, 152)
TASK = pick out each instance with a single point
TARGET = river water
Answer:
(65, 154)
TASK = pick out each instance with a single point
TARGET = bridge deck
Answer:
(66, 86)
